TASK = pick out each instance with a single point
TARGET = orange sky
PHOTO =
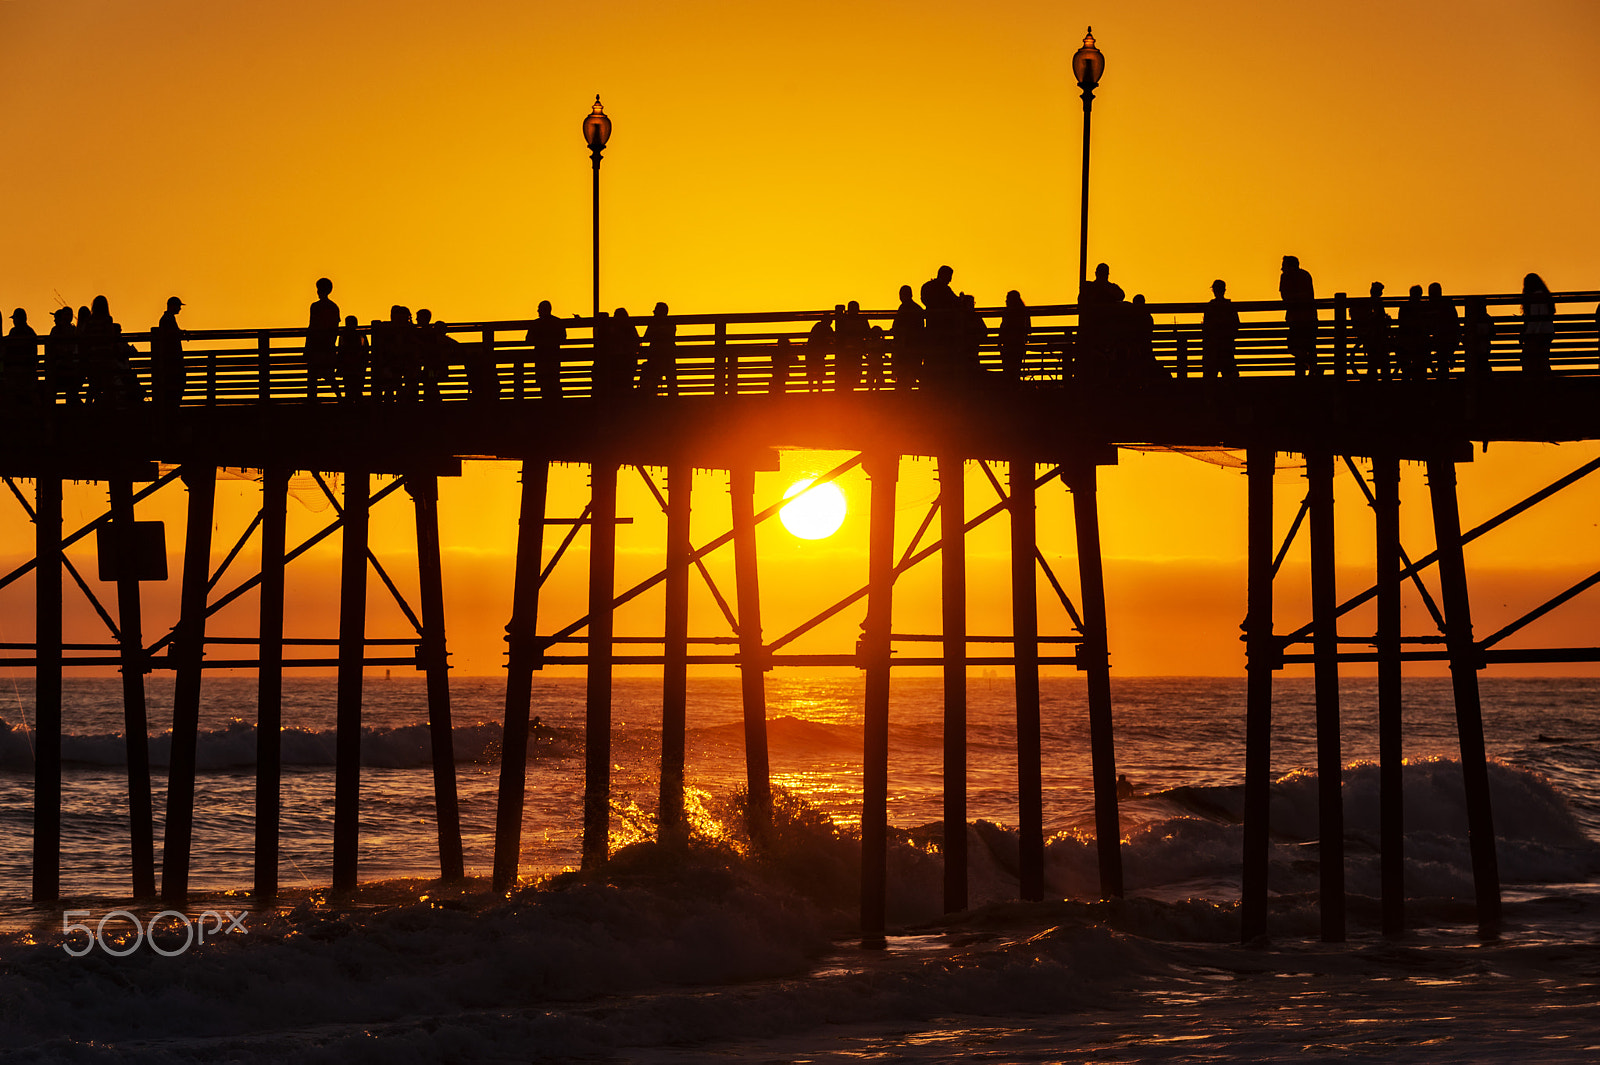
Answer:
(793, 158)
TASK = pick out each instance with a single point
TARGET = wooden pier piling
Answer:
(352, 655)
(597, 714)
(953, 578)
(269, 682)
(1094, 657)
(135, 715)
(1391, 768)
(1325, 637)
(1025, 655)
(670, 824)
(47, 690)
(522, 658)
(1464, 681)
(884, 473)
(434, 657)
(1261, 660)
(188, 652)
(752, 654)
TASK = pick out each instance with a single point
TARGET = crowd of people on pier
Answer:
(937, 343)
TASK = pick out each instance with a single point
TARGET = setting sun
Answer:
(815, 515)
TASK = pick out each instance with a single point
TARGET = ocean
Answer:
(727, 955)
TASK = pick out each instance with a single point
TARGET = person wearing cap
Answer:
(21, 360)
(166, 357)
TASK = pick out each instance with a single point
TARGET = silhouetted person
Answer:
(63, 373)
(782, 366)
(1098, 321)
(352, 355)
(941, 340)
(819, 342)
(618, 357)
(970, 332)
(850, 342)
(937, 295)
(1372, 323)
(1538, 324)
(393, 345)
(1143, 365)
(22, 361)
(546, 334)
(1015, 326)
(1477, 334)
(661, 354)
(1411, 337)
(877, 356)
(435, 355)
(1219, 333)
(167, 376)
(1298, 293)
(1444, 330)
(321, 339)
(111, 377)
(905, 358)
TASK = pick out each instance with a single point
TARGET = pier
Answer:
(1055, 418)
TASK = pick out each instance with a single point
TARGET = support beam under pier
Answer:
(1025, 637)
(352, 652)
(188, 650)
(953, 575)
(1094, 659)
(1261, 659)
(1325, 642)
(522, 658)
(597, 716)
(1464, 679)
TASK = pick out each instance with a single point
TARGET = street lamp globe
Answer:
(597, 126)
(1087, 64)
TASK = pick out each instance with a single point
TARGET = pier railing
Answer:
(728, 354)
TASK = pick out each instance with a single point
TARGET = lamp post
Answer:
(1087, 66)
(596, 131)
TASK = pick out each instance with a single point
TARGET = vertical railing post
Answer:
(1094, 659)
(269, 681)
(953, 577)
(263, 370)
(491, 369)
(1340, 336)
(670, 825)
(435, 660)
(723, 372)
(1180, 368)
(597, 715)
(1464, 680)
(752, 654)
(1261, 651)
(352, 655)
(1325, 651)
(1025, 658)
(522, 658)
(188, 650)
(135, 719)
(47, 689)
(884, 472)
(1391, 779)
